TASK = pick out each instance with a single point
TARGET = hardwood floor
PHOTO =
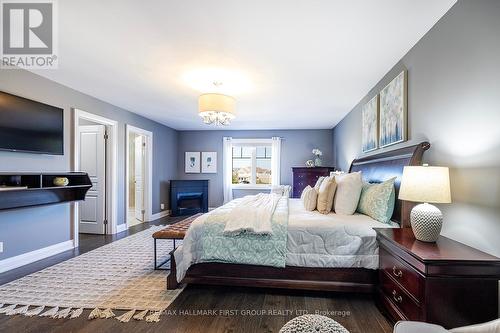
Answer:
(206, 308)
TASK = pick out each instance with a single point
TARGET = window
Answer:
(252, 164)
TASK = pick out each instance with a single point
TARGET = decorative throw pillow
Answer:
(377, 200)
(326, 194)
(349, 187)
(309, 198)
(319, 182)
(304, 191)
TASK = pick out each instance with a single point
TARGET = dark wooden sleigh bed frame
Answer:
(375, 168)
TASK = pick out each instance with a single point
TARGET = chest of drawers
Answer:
(446, 283)
(303, 176)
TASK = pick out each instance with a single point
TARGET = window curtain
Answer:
(275, 161)
(227, 170)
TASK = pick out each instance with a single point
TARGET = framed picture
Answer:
(369, 114)
(192, 162)
(209, 162)
(393, 111)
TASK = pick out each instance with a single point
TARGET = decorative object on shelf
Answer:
(428, 185)
(192, 162)
(209, 162)
(393, 111)
(215, 108)
(309, 163)
(60, 181)
(317, 160)
(369, 115)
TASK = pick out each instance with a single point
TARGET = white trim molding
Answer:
(121, 227)
(111, 160)
(31, 257)
(159, 215)
(148, 184)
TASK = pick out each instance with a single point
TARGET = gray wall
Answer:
(25, 230)
(296, 148)
(454, 103)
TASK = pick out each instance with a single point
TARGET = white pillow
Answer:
(309, 198)
(349, 188)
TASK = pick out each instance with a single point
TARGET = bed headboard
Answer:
(380, 167)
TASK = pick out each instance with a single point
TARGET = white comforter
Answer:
(314, 240)
(252, 214)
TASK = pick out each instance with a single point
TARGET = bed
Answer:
(324, 252)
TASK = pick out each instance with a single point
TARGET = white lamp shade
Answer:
(425, 184)
(216, 103)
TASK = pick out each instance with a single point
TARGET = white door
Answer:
(139, 177)
(93, 161)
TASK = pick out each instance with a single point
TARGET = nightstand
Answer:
(446, 283)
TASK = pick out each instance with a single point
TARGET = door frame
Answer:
(148, 171)
(111, 172)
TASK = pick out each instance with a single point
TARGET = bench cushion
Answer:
(177, 230)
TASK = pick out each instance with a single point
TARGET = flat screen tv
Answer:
(30, 126)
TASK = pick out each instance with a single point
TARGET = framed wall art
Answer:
(192, 162)
(209, 162)
(369, 115)
(393, 111)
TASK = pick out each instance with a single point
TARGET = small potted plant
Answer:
(317, 153)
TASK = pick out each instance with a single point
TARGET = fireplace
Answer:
(188, 197)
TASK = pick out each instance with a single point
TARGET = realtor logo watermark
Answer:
(29, 34)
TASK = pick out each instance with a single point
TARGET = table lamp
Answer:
(426, 184)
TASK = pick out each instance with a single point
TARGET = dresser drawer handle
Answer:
(397, 272)
(395, 297)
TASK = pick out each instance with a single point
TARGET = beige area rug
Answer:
(117, 276)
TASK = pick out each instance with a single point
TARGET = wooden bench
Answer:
(173, 232)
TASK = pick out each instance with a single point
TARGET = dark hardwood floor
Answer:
(207, 309)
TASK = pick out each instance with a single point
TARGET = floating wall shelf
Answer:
(19, 190)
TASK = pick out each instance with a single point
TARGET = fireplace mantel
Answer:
(188, 197)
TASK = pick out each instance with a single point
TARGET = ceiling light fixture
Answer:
(216, 109)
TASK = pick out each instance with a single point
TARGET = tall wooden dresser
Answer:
(445, 283)
(303, 176)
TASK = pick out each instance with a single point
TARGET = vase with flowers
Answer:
(317, 154)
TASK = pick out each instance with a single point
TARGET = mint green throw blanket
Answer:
(245, 248)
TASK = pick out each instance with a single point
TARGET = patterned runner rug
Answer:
(117, 276)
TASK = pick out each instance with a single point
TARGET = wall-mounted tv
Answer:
(30, 126)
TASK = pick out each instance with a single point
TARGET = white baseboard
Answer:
(31, 257)
(159, 215)
(121, 227)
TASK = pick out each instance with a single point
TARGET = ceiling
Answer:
(289, 64)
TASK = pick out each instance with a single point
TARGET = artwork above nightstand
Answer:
(446, 283)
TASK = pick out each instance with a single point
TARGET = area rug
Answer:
(117, 276)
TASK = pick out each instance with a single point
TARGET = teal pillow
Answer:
(377, 200)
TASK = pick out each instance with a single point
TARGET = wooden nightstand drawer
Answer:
(403, 273)
(399, 298)
(445, 283)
